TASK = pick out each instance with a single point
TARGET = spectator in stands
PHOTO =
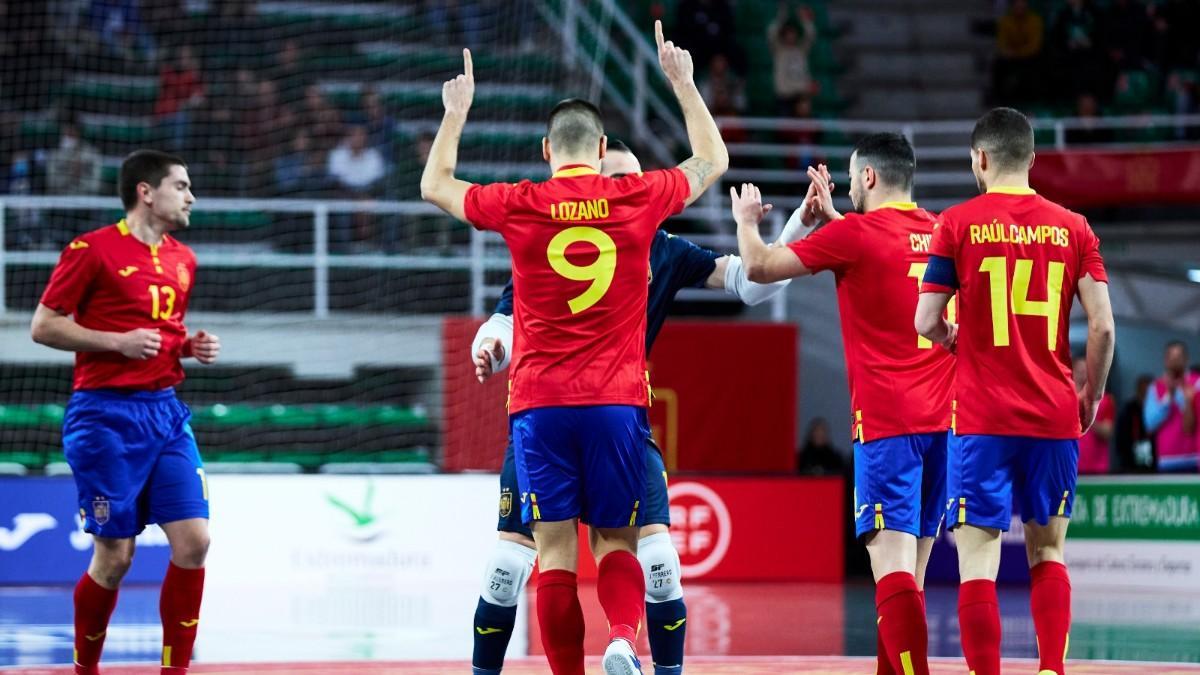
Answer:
(1094, 454)
(818, 455)
(1175, 41)
(722, 89)
(1075, 49)
(789, 49)
(357, 170)
(118, 25)
(1019, 35)
(321, 119)
(801, 141)
(380, 126)
(1126, 31)
(289, 74)
(74, 167)
(1171, 411)
(707, 28)
(1087, 109)
(1135, 444)
(300, 171)
(180, 92)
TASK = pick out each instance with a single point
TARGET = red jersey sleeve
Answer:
(486, 206)
(71, 278)
(944, 244)
(1090, 261)
(835, 246)
(667, 189)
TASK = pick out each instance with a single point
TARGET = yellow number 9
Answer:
(600, 272)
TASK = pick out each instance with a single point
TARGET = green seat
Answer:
(343, 415)
(131, 90)
(19, 416)
(231, 415)
(30, 460)
(298, 416)
(396, 416)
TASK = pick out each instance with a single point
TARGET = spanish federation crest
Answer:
(100, 510)
(505, 503)
(185, 277)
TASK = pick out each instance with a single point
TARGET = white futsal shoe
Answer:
(620, 659)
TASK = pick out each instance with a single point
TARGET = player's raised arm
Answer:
(764, 264)
(1093, 295)
(438, 184)
(709, 159)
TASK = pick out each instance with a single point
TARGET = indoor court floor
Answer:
(742, 628)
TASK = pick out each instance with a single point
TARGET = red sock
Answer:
(883, 666)
(902, 623)
(93, 607)
(621, 586)
(179, 606)
(979, 625)
(561, 620)
(1050, 600)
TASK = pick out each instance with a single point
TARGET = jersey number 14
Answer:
(996, 268)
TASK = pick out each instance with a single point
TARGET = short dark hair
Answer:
(891, 155)
(573, 125)
(143, 166)
(1006, 136)
(1176, 343)
(615, 145)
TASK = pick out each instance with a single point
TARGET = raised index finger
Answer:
(658, 34)
(468, 67)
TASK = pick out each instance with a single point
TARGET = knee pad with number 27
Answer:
(507, 571)
(660, 564)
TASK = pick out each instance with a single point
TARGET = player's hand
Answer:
(676, 62)
(458, 93)
(140, 343)
(950, 343)
(1088, 407)
(205, 347)
(491, 351)
(748, 208)
(820, 201)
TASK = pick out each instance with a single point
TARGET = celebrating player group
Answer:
(956, 346)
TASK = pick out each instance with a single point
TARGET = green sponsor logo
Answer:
(1152, 509)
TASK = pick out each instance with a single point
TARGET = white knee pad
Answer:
(660, 564)
(507, 571)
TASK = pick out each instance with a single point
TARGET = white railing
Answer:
(485, 251)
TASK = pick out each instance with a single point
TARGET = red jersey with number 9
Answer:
(1018, 258)
(112, 282)
(580, 245)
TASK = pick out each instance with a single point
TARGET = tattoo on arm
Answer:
(698, 170)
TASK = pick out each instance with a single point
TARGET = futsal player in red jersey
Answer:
(900, 384)
(117, 299)
(1016, 261)
(580, 245)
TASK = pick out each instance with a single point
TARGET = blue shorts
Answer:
(987, 474)
(135, 460)
(900, 484)
(586, 461)
(656, 510)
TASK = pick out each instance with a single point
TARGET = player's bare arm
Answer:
(930, 320)
(59, 331)
(710, 158)
(1093, 295)
(438, 184)
(764, 264)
